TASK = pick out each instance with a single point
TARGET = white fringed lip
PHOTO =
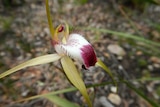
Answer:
(77, 47)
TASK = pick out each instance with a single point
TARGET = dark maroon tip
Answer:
(61, 28)
(88, 55)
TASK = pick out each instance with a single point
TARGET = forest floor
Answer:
(25, 34)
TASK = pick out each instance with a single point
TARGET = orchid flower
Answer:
(75, 46)
(69, 46)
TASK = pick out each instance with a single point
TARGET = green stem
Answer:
(51, 28)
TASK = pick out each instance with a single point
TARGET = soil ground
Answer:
(24, 35)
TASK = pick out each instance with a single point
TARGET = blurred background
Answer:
(124, 33)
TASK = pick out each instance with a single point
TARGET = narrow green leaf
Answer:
(148, 79)
(140, 93)
(62, 91)
(124, 35)
(60, 101)
(102, 65)
(74, 77)
(50, 93)
(51, 28)
(35, 61)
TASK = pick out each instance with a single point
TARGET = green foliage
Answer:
(60, 101)
(138, 91)
(139, 4)
(143, 2)
(12, 3)
(142, 62)
(35, 61)
(151, 45)
(158, 91)
(102, 65)
(156, 26)
(81, 2)
(141, 93)
(5, 23)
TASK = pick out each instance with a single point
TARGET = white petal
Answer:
(75, 48)
(72, 48)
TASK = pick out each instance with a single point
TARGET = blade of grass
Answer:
(153, 46)
(75, 89)
(102, 65)
(62, 91)
(124, 35)
(148, 79)
(74, 77)
(141, 94)
(129, 20)
(35, 61)
(60, 101)
(50, 93)
(51, 28)
(156, 26)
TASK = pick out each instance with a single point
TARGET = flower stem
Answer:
(51, 28)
